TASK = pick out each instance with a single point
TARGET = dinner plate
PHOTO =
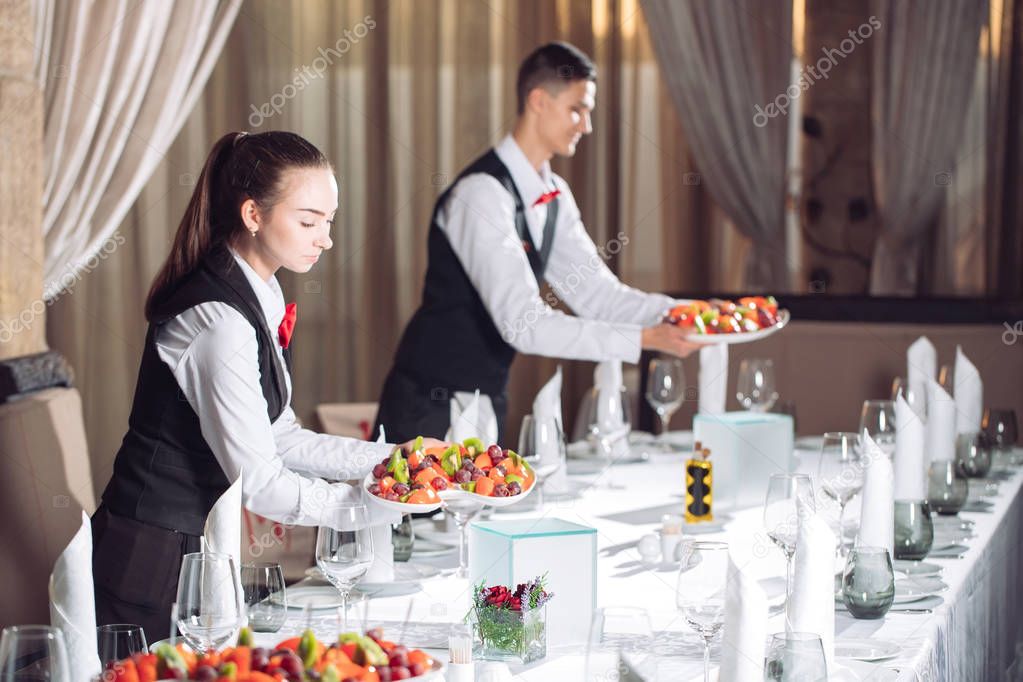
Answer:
(917, 569)
(850, 670)
(950, 552)
(866, 649)
(978, 506)
(316, 597)
(740, 337)
(915, 589)
(406, 574)
(402, 507)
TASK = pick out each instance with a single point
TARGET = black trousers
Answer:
(135, 570)
(408, 410)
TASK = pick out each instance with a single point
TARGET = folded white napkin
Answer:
(940, 440)
(877, 516)
(745, 632)
(921, 365)
(811, 607)
(222, 533)
(472, 416)
(969, 394)
(73, 603)
(910, 457)
(607, 382)
(547, 409)
(713, 379)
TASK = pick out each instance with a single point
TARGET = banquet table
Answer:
(972, 635)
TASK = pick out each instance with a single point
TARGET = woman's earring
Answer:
(253, 232)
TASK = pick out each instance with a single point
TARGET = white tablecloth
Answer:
(972, 636)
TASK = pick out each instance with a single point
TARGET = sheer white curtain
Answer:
(119, 79)
(925, 61)
(720, 60)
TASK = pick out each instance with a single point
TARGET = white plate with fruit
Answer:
(717, 321)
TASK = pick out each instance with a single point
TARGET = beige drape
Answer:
(721, 60)
(924, 63)
(412, 92)
(119, 80)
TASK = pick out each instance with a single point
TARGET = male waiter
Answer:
(505, 225)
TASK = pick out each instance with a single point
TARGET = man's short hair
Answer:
(552, 66)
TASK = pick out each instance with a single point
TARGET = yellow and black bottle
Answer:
(699, 479)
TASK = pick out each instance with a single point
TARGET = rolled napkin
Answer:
(811, 606)
(911, 460)
(607, 382)
(472, 416)
(921, 366)
(877, 516)
(745, 632)
(546, 408)
(73, 603)
(969, 394)
(713, 379)
(940, 439)
(222, 533)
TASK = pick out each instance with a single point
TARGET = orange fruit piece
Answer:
(484, 486)
(423, 496)
(483, 461)
(495, 475)
(414, 460)
(425, 476)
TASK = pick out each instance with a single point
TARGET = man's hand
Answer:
(667, 338)
(427, 443)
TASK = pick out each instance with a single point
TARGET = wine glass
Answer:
(781, 514)
(700, 591)
(665, 391)
(463, 510)
(210, 605)
(755, 388)
(120, 641)
(840, 473)
(265, 598)
(345, 553)
(1001, 430)
(619, 633)
(542, 444)
(33, 653)
(877, 419)
(795, 657)
(901, 385)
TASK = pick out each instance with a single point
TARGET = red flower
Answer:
(497, 596)
(515, 604)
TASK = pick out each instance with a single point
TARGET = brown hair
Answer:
(552, 66)
(240, 166)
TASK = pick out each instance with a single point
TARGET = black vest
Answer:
(165, 474)
(451, 341)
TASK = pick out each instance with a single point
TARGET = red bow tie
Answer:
(547, 197)
(287, 325)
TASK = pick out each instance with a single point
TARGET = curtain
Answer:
(721, 61)
(924, 64)
(400, 95)
(119, 79)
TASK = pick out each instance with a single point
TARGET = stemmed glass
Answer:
(33, 653)
(210, 605)
(345, 553)
(542, 444)
(120, 641)
(781, 515)
(795, 657)
(665, 391)
(608, 421)
(1001, 430)
(840, 473)
(877, 419)
(901, 385)
(700, 591)
(463, 511)
(755, 388)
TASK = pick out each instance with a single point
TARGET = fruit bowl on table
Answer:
(718, 321)
(460, 474)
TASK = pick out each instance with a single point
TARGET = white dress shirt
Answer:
(479, 222)
(212, 350)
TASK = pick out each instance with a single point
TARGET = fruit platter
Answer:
(719, 321)
(353, 657)
(428, 478)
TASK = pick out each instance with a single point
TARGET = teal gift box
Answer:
(745, 449)
(510, 552)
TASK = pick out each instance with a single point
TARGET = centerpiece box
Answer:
(510, 552)
(746, 448)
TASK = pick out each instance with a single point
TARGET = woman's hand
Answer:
(427, 443)
(668, 338)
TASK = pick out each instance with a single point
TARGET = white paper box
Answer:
(510, 552)
(745, 449)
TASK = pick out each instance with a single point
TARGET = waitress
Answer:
(214, 390)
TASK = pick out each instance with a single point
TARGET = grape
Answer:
(376, 634)
(398, 659)
(400, 489)
(514, 488)
(477, 475)
(374, 489)
(462, 476)
(417, 669)
(417, 469)
(379, 471)
(431, 460)
(384, 673)
(495, 451)
(439, 483)
(506, 452)
(206, 673)
(501, 490)
(392, 496)
(400, 673)
(501, 470)
(385, 461)
(312, 676)
(467, 464)
(260, 658)
(292, 665)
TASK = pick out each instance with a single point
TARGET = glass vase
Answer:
(502, 634)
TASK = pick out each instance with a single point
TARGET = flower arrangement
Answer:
(510, 625)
